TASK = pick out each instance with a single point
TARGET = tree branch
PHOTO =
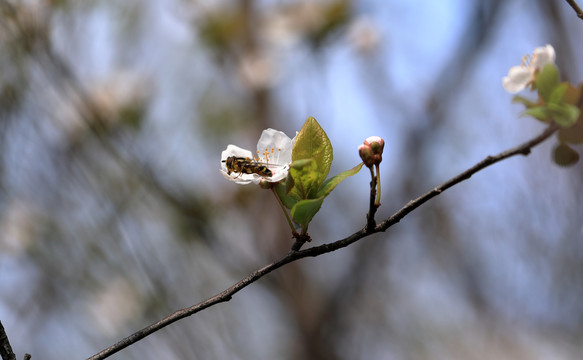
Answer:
(523, 149)
(226, 295)
(372, 205)
(5, 349)
(576, 7)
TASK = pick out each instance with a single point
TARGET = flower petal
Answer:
(241, 179)
(274, 148)
(234, 150)
(542, 56)
(277, 145)
(521, 76)
(279, 148)
(279, 175)
(518, 78)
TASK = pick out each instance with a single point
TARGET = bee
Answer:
(245, 165)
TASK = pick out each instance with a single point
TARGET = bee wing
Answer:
(270, 165)
(275, 167)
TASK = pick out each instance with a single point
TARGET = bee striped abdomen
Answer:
(256, 169)
(245, 165)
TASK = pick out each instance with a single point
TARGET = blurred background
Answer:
(113, 212)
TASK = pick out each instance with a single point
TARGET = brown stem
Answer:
(372, 206)
(576, 7)
(289, 222)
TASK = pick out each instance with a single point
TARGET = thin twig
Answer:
(372, 206)
(227, 294)
(378, 177)
(289, 222)
(5, 349)
(523, 149)
(576, 7)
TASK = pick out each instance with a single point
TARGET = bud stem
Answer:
(378, 200)
(291, 225)
(370, 222)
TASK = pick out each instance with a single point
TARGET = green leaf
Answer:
(572, 95)
(565, 115)
(331, 183)
(313, 143)
(303, 179)
(304, 210)
(563, 155)
(289, 187)
(517, 99)
(573, 134)
(540, 112)
(287, 201)
(547, 80)
(558, 93)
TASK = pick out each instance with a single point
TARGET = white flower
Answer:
(274, 154)
(108, 97)
(258, 71)
(521, 76)
(114, 306)
(364, 35)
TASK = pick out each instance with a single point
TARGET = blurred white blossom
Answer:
(364, 35)
(519, 77)
(19, 224)
(113, 306)
(257, 71)
(103, 99)
(287, 26)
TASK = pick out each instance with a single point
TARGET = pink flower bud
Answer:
(366, 154)
(371, 151)
(376, 143)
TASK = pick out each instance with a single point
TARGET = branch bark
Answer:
(5, 349)
(372, 206)
(577, 9)
(226, 295)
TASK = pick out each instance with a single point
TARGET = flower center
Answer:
(527, 60)
(268, 155)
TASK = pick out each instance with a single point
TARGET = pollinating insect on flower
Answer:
(269, 164)
(299, 187)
